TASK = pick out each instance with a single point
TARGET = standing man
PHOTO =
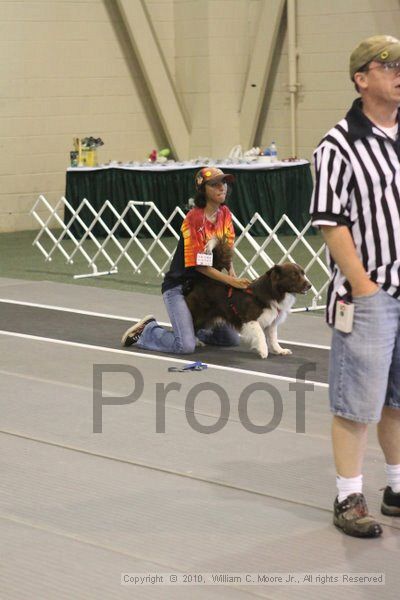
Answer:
(356, 203)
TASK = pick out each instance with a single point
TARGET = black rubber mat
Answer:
(106, 332)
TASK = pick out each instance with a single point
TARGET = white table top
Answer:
(178, 166)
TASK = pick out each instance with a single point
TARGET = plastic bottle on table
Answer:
(274, 152)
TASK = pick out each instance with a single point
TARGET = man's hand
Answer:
(341, 246)
(367, 288)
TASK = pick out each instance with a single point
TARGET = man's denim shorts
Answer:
(364, 372)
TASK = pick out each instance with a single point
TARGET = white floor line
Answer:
(71, 310)
(319, 346)
(130, 319)
(157, 357)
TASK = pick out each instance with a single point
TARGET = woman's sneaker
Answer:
(390, 503)
(132, 335)
(351, 516)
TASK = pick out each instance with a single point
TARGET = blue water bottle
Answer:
(274, 152)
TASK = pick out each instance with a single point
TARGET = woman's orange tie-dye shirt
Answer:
(197, 230)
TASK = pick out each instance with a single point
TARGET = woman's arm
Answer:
(224, 278)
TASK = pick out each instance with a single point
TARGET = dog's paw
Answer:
(199, 343)
(282, 351)
(263, 354)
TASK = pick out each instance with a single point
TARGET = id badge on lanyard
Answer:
(204, 260)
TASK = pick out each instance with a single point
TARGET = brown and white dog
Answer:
(254, 312)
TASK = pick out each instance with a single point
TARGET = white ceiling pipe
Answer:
(293, 84)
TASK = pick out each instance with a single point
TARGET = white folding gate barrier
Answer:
(106, 245)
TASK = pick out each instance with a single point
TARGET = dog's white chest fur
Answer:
(277, 312)
(262, 334)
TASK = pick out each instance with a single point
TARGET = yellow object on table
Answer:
(87, 157)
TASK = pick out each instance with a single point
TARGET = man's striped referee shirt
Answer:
(357, 169)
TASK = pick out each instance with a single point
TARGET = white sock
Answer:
(348, 485)
(393, 477)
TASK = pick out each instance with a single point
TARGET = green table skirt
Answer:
(270, 192)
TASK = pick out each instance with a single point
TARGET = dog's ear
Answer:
(276, 276)
(276, 271)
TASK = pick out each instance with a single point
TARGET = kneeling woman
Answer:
(209, 218)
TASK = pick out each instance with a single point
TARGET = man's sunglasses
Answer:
(390, 67)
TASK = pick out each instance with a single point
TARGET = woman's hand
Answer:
(240, 284)
(231, 271)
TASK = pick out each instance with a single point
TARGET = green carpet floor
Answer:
(21, 260)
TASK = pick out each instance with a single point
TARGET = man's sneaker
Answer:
(390, 503)
(134, 332)
(351, 516)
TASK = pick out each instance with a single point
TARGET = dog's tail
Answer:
(222, 255)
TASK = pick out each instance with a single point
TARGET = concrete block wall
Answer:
(64, 73)
(213, 40)
(192, 70)
(229, 51)
(327, 32)
(67, 70)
